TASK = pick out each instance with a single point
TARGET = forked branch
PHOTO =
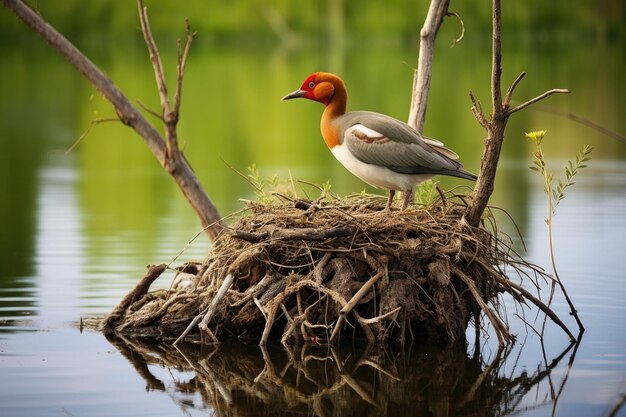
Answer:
(496, 124)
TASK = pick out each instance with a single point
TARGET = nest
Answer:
(319, 272)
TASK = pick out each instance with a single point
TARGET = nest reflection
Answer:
(243, 380)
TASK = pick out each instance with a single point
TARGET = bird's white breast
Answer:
(376, 175)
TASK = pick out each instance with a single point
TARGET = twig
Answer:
(360, 293)
(206, 315)
(369, 335)
(529, 296)
(502, 332)
(150, 111)
(509, 92)
(539, 98)
(458, 39)
(189, 327)
(86, 132)
(477, 110)
(155, 58)
(154, 271)
(269, 322)
(216, 300)
(353, 302)
(376, 319)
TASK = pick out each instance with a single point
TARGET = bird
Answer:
(380, 150)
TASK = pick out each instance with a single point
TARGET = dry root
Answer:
(303, 272)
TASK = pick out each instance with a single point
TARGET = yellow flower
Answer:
(536, 136)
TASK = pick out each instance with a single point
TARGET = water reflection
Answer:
(240, 380)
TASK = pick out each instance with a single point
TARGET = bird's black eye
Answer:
(311, 84)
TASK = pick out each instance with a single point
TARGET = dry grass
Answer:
(302, 272)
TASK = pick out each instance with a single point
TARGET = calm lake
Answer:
(78, 229)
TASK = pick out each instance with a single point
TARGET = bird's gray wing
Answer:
(381, 140)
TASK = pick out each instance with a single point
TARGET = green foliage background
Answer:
(247, 19)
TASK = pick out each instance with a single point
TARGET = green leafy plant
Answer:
(264, 186)
(556, 193)
(426, 193)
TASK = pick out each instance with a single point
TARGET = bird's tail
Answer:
(461, 173)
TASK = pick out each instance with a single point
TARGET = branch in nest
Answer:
(528, 295)
(230, 278)
(297, 234)
(353, 301)
(142, 287)
(504, 337)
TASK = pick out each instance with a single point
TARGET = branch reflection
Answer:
(242, 380)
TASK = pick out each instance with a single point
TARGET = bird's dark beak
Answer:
(296, 94)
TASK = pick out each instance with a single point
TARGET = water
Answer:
(78, 230)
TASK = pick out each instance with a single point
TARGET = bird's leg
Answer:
(408, 197)
(390, 199)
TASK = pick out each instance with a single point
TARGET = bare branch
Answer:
(477, 109)
(502, 332)
(497, 125)
(155, 58)
(539, 98)
(421, 77)
(495, 128)
(180, 69)
(509, 92)
(170, 119)
(496, 58)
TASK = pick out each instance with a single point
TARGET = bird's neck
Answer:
(335, 107)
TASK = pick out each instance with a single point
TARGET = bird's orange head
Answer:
(320, 87)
